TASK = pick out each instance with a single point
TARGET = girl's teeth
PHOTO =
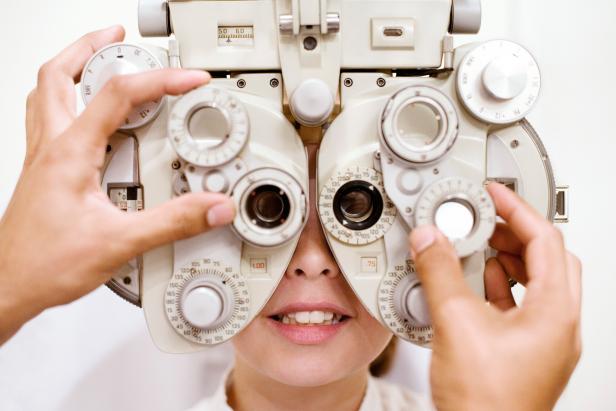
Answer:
(311, 317)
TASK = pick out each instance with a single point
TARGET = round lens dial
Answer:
(194, 135)
(272, 207)
(462, 209)
(203, 285)
(354, 208)
(419, 124)
(120, 59)
(393, 310)
(499, 82)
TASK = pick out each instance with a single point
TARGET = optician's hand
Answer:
(61, 237)
(499, 356)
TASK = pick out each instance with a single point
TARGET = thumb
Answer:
(438, 268)
(181, 218)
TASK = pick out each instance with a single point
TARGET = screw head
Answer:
(274, 83)
(515, 144)
(175, 165)
(381, 82)
(348, 82)
(241, 83)
(310, 43)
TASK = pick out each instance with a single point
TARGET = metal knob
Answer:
(154, 18)
(312, 102)
(465, 17)
(505, 78)
(202, 306)
(417, 306)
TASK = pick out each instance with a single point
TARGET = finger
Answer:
(544, 252)
(109, 109)
(525, 222)
(439, 270)
(574, 271)
(32, 130)
(504, 239)
(177, 219)
(513, 266)
(57, 78)
(496, 281)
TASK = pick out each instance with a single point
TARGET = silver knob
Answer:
(154, 18)
(202, 306)
(465, 17)
(417, 306)
(505, 78)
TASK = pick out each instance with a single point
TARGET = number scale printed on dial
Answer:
(116, 60)
(355, 182)
(220, 280)
(391, 301)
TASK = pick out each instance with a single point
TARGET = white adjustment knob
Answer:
(498, 82)
(202, 306)
(312, 102)
(417, 306)
(505, 78)
(154, 18)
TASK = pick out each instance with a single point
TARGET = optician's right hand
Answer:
(61, 237)
(500, 356)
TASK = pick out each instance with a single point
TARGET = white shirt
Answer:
(380, 396)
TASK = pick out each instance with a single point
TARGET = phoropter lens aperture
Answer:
(358, 205)
(268, 206)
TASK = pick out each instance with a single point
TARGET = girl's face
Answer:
(278, 345)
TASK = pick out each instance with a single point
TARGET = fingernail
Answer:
(421, 238)
(221, 214)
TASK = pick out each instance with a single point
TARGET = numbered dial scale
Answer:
(215, 281)
(354, 208)
(201, 153)
(391, 306)
(120, 59)
(499, 82)
(469, 194)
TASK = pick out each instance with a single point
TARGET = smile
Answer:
(310, 318)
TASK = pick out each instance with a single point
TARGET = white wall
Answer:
(95, 353)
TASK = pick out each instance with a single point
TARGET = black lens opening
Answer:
(268, 206)
(358, 205)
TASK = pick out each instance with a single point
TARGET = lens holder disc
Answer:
(366, 231)
(396, 114)
(459, 189)
(190, 148)
(291, 197)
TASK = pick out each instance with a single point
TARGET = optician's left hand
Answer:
(61, 237)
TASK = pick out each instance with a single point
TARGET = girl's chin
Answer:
(306, 371)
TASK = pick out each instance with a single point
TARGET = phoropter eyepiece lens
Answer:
(358, 205)
(268, 206)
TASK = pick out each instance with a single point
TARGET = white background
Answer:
(96, 354)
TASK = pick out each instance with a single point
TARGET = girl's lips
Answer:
(306, 334)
